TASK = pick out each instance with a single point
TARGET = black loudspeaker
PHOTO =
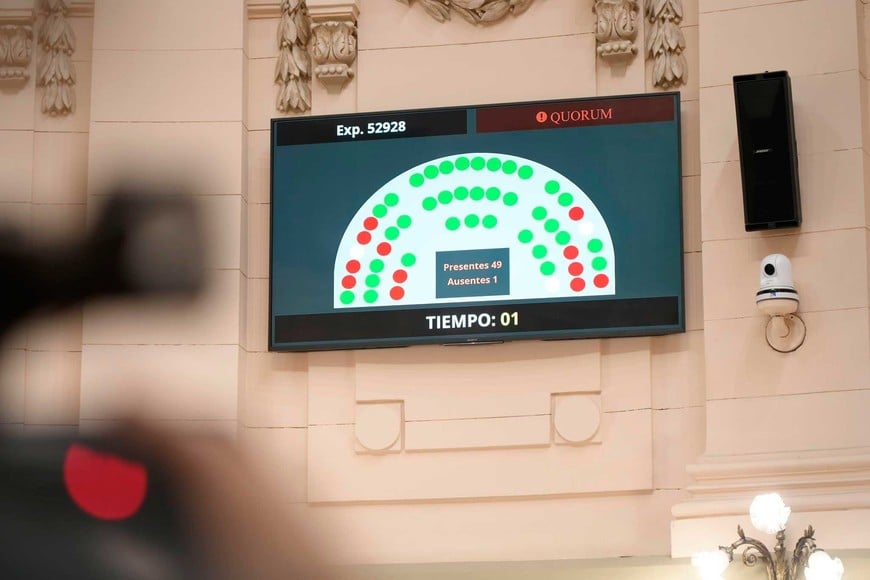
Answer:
(768, 151)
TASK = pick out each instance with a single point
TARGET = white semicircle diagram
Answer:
(558, 244)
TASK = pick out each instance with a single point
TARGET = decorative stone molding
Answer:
(474, 11)
(827, 488)
(616, 28)
(15, 50)
(334, 40)
(16, 43)
(293, 69)
(81, 9)
(665, 42)
(576, 418)
(57, 72)
(378, 426)
(326, 31)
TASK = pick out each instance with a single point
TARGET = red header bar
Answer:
(576, 114)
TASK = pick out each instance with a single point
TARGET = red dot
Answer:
(102, 485)
(575, 213)
(578, 284)
(571, 252)
(575, 268)
(397, 293)
(384, 248)
(364, 238)
(348, 282)
(601, 280)
(370, 223)
(353, 266)
(400, 276)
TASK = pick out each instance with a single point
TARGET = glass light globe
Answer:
(769, 513)
(710, 564)
(822, 567)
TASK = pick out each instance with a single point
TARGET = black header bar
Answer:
(301, 131)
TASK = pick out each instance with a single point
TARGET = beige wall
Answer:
(692, 425)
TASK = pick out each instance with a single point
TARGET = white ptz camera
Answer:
(777, 298)
(776, 294)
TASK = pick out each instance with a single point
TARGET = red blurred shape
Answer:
(102, 485)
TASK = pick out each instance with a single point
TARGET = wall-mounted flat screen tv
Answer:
(463, 225)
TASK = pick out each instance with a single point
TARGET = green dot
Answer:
(416, 180)
(373, 280)
(460, 193)
(452, 224)
(371, 296)
(525, 172)
(404, 221)
(446, 167)
(539, 213)
(599, 263)
(490, 221)
(391, 233)
(376, 265)
(566, 199)
(391, 199)
(595, 245)
(562, 238)
(548, 268)
(462, 163)
(493, 193)
(494, 164)
(445, 197)
(346, 297)
(471, 220)
(552, 187)
(477, 193)
(539, 251)
(431, 172)
(478, 163)
(379, 211)
(525, 236)
(551, 225)
(509, 166)
(510, 198)
(430, 203)
(409, 260)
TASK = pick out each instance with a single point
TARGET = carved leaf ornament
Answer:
(293, 68)
(57, 72)
(474, 11)
(665, 42)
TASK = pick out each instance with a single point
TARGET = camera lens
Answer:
(769, 269)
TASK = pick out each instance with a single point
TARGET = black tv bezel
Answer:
(477, 338)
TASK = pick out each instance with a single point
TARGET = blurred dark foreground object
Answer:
(60, 518)
(145, 505)
(143, 243)
(138, 503)
(96, 508)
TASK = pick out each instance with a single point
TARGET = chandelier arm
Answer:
(755, 551)
(802, 550)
